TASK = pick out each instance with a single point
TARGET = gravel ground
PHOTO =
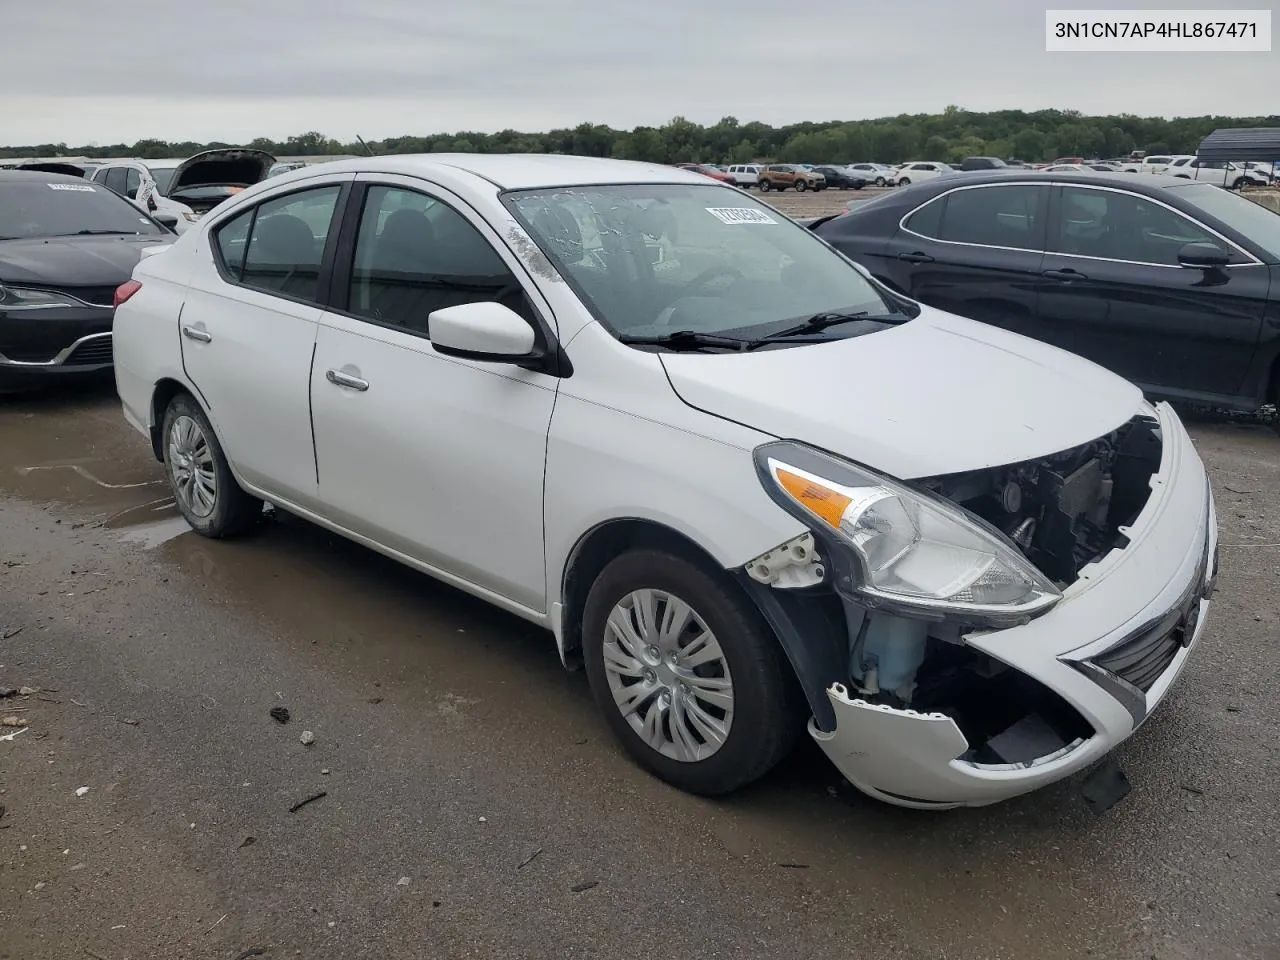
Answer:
(474, 802)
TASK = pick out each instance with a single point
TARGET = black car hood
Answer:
(67, 169)
(74, 261)
(227, 167)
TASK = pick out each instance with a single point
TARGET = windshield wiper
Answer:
(686, 340)
(97, 233)
(820, 321)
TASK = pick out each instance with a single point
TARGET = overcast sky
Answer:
(230, 70)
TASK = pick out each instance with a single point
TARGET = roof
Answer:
(1241, 143)
(522, 171)
(1096, 178)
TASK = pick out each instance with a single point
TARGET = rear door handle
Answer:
(1066, 275)
(195, 333)
(915, 257)
(340, 379)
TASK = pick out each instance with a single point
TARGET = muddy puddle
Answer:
(74, 449)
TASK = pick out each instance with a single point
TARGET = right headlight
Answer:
(910, 550)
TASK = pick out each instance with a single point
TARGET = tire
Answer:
(879, 181)
(191, 451)
(1238, 183)
(801, 186)
(763, 719)
(765, 186)
(904, 182)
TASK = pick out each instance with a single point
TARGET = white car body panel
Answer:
(489, 476)
(916, 420)
(148, 194)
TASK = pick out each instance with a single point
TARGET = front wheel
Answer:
(765, 186)
(204, 488)
(687, 673)
(801, 186)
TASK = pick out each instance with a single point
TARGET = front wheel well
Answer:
(161, 397)
(597, 549)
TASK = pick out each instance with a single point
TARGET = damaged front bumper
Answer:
(1111, 649)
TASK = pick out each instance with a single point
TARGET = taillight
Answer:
(125, 291)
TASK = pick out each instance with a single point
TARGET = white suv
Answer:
(969, 570)
(746, 175)
(918, 170)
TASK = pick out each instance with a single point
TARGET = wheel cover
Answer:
(668, 675)
(195, 481)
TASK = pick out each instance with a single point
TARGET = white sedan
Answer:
(749, 491)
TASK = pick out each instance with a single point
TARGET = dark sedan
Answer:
(65, 246)
(1174, 285)
(841, 178)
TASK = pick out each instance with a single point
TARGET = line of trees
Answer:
(948, 136)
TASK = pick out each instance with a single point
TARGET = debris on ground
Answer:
(1105, 787)
(794, 866)
(302, 803)
(251, 952)
(529, 859)
(7, 632)
(7, 692)
(28, 691)
(307, 738)
(324, 772)
(129, 720)
(279, 714)
(10, 736)
(248, 842)
(402, 882)
(81, 791)
(585, 885)
(12, 722)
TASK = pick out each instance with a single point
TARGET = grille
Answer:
(95, 351)
(1143, 657)
(102, 296)
(1141, 660)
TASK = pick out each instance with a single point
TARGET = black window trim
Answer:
(546, 338)
(324, 281)
(945, 196)
(1230, 244)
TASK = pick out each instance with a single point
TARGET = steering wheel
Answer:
(695, 285)
(706, 276)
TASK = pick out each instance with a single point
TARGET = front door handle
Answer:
(916, 257)
(197, 334)
(1067, 275)
(340, 379)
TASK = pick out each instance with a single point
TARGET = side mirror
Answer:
(167, 220)
(483, 331)
(1204, 255)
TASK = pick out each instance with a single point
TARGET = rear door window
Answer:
(996, 216)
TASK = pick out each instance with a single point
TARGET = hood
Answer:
(74, 261)
(67, 169)
(227, 167)
(940, 394)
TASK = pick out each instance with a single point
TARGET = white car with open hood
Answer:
(743, 484)
(181, 191)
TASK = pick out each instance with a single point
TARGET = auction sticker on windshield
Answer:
(740, 215)
(78, 187)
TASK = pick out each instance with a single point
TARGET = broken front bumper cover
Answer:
(1163, 578)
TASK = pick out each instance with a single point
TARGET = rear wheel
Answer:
(904, 182)
(879, 181)
(203, 486)
(687, 673)
(801, 186)
(1239, 183)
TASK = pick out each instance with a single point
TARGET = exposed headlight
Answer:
(190, 216)
(20, 298)
(909, 550)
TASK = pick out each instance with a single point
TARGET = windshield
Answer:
(40, 208)
(163, 176)
(1250, 219)
(652, 259)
